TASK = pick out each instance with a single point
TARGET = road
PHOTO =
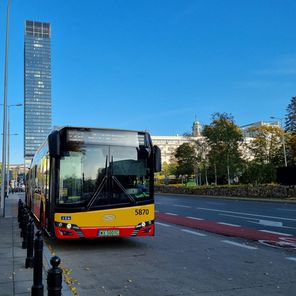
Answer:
(182, 260)
(271, 223)
(269, 216)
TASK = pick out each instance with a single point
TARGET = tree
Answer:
(290, 127)
(224, 138)
(290, 119)
(202, 151)
(186, 159)
(169, 168)
(266, 150)
(291, 149)
(267, 145)
(256, 173)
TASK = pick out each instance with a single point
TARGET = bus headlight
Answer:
(69, 226)
(143, 224)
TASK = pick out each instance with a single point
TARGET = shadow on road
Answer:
(102, 244)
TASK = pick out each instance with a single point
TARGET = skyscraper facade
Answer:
(37, 86)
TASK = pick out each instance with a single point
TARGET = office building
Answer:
(248, 133)
(37, 86)
(169, 144)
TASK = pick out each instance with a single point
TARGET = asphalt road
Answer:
(273, 217)
(181, 260)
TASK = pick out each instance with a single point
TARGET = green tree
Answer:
(169, 168)
(202, 153)
(186, 158)
(290, 127)
(266, 153)
(256, 173)
(267, 146)
(224, 138)
(291, 149)
(290, 119)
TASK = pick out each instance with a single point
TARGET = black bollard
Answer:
(30, 245)
(25, 231)
(24, 221)
(37, 288)
(54, 278)
(20, 217)
(19, 209)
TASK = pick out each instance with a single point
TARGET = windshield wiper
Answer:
(118, 183)
(123, 189)
(100, 187)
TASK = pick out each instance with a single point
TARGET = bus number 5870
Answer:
(141, 212)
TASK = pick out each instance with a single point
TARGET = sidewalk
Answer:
(15, 279)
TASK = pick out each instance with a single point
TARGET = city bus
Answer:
(94, 183)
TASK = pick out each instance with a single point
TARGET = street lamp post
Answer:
(2, 201)
(283, 138)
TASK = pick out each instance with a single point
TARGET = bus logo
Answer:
(109, 217)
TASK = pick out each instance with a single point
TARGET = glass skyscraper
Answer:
(37, 92)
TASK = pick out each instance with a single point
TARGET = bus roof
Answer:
(59, 128)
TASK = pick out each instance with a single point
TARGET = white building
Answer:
(169, 144)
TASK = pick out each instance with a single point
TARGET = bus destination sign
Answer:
(103, 137)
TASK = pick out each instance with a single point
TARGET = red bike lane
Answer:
(271, 239)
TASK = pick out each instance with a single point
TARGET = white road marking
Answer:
(239, 217)
(200, 219)
(239, 245)
(242, 213)
(288, 210)
(172, 214)
(182, 206)
(228, 224)
(271, 223)
(163, 224)
(193, 232)
(274, 232)
(291, 258)
(286, 227)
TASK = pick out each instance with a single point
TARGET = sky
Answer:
(157, 64)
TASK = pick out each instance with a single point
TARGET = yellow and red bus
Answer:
(94, 182)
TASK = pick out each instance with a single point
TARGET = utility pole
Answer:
(2, 203)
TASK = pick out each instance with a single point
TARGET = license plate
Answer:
(112, 232)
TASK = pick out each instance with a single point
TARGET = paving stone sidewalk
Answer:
(15, 279)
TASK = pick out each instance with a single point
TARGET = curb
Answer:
(46, 264)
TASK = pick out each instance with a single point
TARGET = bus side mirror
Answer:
(157, 159)
(54, 144)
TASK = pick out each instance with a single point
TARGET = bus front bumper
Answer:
(72, 231)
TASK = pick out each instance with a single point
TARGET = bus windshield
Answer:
(97, 175)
